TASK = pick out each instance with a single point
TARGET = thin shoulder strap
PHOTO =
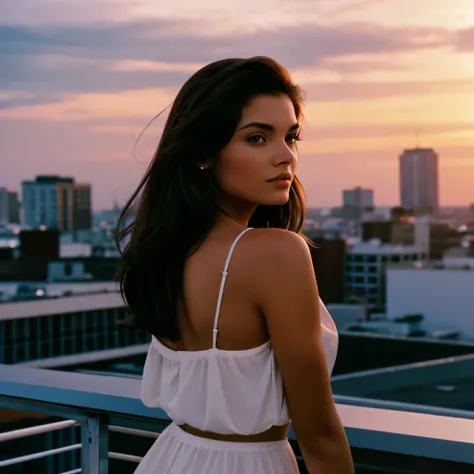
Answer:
(221, 289)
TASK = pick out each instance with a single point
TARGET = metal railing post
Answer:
(95, 445)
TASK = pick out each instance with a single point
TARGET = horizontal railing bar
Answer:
(43, 454)
(74, 471)
(36, 430)
(112, 394)
(45, 408)
(156, 425)
(125, 457)
(133, 431)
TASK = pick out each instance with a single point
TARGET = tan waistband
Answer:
(275, 433)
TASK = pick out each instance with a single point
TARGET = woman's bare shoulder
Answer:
(268, 241)
(274, 250)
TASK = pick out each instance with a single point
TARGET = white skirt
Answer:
(178, 452)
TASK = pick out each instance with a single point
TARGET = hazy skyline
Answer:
(80, 80)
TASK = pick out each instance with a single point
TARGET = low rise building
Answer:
(443, 294)
(366, 265)
(52, 328)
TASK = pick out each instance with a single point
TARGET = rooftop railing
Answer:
(109, 419)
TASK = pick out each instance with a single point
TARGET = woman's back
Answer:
(225, 356)
(206, 383)
(241, 325)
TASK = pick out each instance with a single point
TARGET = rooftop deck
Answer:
(109, 418)
(444, 383)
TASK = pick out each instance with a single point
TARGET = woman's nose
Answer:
(286, 155)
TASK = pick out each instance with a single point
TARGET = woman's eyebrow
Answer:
(266, 126)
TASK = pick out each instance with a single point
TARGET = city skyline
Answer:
(82, 83)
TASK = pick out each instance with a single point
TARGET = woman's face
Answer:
(258, 165)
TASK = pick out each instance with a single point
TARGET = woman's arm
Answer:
(287, 294)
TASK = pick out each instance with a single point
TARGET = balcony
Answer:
(103, 427)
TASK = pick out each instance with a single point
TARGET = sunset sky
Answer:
(79, 80)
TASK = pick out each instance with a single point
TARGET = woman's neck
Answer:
(240, 212)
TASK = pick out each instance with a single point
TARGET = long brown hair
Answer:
(179, 203)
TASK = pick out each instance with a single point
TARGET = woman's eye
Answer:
(256, 139)
(293, 138)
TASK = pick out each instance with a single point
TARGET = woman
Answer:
(216, 270)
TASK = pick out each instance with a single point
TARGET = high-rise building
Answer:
(358, 197)
(13, 207)
(74, 210)
(3, 206)
(9, 207)
(40, 200)
(356, 201)
(418, 169)
(57, 202)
